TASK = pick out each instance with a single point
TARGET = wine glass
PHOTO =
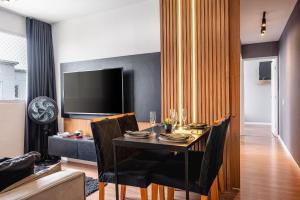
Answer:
(173, 116)
(183, 116)
(152, 119)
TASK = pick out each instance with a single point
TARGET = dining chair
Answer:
(131, 171)
(225, 125)
(128, 122)
(171, 172)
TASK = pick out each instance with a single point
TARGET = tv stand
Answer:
(82, 149)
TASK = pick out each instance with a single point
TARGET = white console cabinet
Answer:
(12, 127)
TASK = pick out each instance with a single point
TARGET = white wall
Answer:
(134, 29)
(257, 96)
(12, 23)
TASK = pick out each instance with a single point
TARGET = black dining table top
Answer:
(154, 142)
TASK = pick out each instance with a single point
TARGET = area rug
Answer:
(91, 184)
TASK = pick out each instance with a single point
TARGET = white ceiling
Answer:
(278, 12)
(53, 11)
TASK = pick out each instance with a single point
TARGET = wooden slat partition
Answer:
(202, 37)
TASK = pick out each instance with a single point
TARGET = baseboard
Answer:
(258, 123)
(78, 161)
(287, 150)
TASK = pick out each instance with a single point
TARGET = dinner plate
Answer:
(175, 136)
(197, 126)
(138, 133)
(136, 136)
(173, 141)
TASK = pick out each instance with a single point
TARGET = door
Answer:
(274, 95)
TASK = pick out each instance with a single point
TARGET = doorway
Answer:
(259, 93)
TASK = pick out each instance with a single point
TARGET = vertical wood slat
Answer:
(234, 81)
(169, 55)
(187, 76)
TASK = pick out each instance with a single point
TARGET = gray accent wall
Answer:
(141, 81)
(289, 84)
(259, 50)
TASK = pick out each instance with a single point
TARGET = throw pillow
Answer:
(15, 169)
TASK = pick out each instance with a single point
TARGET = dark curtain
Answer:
(41, 79)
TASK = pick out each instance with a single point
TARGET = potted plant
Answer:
(168, 125)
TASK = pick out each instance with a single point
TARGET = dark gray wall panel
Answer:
(289, 84)
(257, 50)
(141, 80)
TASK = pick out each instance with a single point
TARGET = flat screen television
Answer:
(93, 92)
(265, 70)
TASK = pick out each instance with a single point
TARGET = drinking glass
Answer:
(152, 119)
(171, 112)
(183, 116)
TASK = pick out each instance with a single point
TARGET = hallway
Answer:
(267, 170)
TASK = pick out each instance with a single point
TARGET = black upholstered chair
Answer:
(127, 122)
(131, 171)
(204, 167)
(225, 125)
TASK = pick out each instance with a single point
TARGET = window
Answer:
(13, 67)
(1, 89)
(16, 91)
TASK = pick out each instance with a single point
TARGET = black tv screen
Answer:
(93, 92)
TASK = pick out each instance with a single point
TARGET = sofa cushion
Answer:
(15, 169)
(51, 170)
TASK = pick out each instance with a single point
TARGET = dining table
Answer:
(155, 143)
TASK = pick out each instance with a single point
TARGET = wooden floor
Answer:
(267, 171)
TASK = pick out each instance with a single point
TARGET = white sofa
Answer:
(62, 185)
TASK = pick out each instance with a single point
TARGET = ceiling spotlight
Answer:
(263, 24)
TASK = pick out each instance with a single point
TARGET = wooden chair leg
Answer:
(123, 192)
(154, 191)
(170, 193)
(161, 192)
(203, 197)
(214, 190)
(221, 179)
(101, 190)
(144, 194)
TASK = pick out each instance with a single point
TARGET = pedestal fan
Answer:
(43, 111)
